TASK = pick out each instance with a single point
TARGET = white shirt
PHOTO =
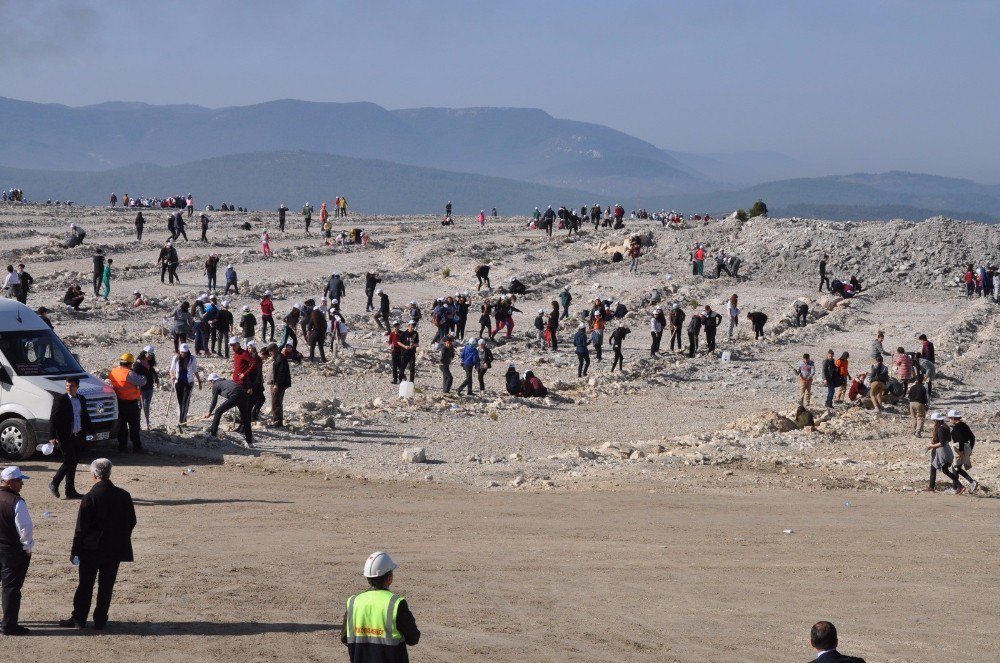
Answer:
(12, 279)
(192, 368)
(25, 528)
(75, 402)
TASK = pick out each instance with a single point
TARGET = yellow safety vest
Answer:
(371, 618)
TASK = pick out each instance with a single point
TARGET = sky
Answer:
(842, 86)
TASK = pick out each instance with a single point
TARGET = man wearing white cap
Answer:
(378, 624)
(965, 441)
(17, 540)
(234, 397)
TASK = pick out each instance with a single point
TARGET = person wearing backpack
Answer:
(470, 362)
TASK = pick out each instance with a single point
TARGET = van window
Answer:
(38, 352)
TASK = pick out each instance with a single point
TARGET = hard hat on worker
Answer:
(127, 357)
(378, 564)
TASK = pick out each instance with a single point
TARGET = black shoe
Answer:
(17, 629)
(73, 495)
(54, 489)
(100, 627)
(71, 623)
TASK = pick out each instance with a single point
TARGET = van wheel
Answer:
(17, 441)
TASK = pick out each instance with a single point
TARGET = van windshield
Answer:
(38, 352)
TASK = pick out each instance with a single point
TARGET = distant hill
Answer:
(264, 180)
(517, 143)
(894, 194)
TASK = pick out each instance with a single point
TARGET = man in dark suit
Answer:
(102, 541)
(69, 424)
(823, 639)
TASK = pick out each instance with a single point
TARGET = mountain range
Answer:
(412, 160)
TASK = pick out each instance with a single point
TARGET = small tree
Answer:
(741, 214)
(758, 209)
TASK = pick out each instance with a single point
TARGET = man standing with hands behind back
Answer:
(70, 424)
(102, 541)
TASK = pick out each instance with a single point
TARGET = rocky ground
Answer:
(656, 500)
(681, 421)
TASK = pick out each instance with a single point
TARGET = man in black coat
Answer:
(69, 425)
(103, 540)
(823, 638)
(281, 381)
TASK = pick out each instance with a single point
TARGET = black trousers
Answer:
(823, 278)
(71, 457)
(266, 320)
(583, 363)
(129, 415)
(281, 223)
(172, 269)
(97, 282)
(369, 306)
(800, 319)
(183, 391)
(710, 337)
(13, 570)
(692, 343)
(468, 379)
(482, 280)
(409, 361)
(277, 405)
(397, 366)
(213, 280)
(675, 336)
(619, 359)
(482, 374)
(317, 342)
(758, 331)
(220, 341)
(104, 573)
(655, 344)
(242, 403)
(138, 232)
(446, 377)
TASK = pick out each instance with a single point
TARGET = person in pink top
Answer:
(265, 242)
(904, 367)
(482, 219)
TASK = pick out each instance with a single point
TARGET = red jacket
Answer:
(243, 365)
(266, 307)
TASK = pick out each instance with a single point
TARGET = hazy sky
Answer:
(842, 86)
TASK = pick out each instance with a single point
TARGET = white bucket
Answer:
(405, 389)
(726, 356)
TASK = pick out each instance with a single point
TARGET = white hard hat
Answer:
(234, 340)
(225, 303)
(229, 266)
(541, 310)
(581, 326)
(378, 291)
(267, 293)
(566, 287)
(184, 347)
(954, 414)
(937, 416)
(136, 292)
(378, 564)
(412, 302)
(149, 349)
(214, 377)
(246, 308)
(251, 344)
(512, 279)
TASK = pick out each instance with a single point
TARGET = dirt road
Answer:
(254, 563)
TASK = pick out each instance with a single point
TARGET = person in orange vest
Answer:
(128, 389)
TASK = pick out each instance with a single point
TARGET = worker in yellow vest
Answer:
(378, 624)
(127, 384)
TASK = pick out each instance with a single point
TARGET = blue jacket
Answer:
(581, 341)
(470, 356)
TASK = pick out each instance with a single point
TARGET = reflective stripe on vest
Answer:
(124, 389)
(371, 618)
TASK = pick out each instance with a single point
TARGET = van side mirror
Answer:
(5, 376)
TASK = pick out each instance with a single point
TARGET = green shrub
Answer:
(741, 214)
(758, 209)
(446, 272)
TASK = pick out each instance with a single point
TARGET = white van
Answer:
(34, 365)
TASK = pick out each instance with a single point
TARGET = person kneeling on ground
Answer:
(532, 387)
(804, 419)
(513, 380)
